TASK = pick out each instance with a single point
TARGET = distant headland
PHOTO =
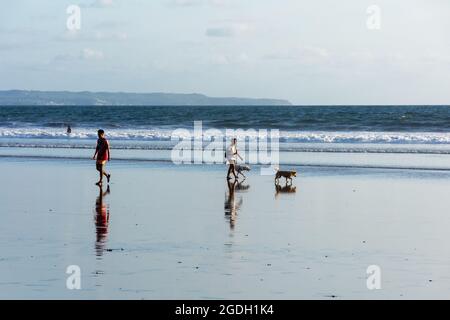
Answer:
(27, 97)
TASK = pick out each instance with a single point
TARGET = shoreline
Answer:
(388, 161)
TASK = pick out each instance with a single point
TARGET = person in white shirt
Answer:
(231, 155)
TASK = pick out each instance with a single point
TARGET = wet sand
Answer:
(176, 232)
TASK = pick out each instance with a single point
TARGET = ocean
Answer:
(303, 129)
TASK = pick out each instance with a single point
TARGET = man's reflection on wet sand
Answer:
(232, 205)
(101, 221)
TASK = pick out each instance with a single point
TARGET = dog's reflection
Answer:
(287, 188)
(101, 221)
(232, 204)
(241, 186)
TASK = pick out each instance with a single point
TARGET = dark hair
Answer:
(101, 131)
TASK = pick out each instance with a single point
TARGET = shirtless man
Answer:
(102, 156)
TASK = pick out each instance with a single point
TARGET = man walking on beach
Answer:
(102, 155)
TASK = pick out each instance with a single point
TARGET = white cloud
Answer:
(93, 36)
(64, 57)
(232, 30)
(103, 3)
(220, 59)
(194, 3)
(85, 54)
(98, 4)
(99, 35)
(306, 55)
(186, 3)
(111, 24)
(227, 59)
(438, 58)
(91, 54)
(219, 32)
(9, 46)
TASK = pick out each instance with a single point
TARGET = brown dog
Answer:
(286, 174)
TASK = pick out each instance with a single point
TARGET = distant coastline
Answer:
(66, 98)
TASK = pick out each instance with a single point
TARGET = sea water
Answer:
(308, 135)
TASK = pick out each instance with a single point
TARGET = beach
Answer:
(123, 126)
(174, 232)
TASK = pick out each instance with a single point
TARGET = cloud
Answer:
(64, 57)
(98, 4)
(219, 32)
(91, 54)
(226, 59)
(110, 36)
(105, 2)
(9, 46)
(196, 3)
(218, 2)
(375, 61)
(110, 24)
(20, 31)
(232, 30)
(438, 58)
(85, 54)
(306, 55)
(186, 3)
(93, 36)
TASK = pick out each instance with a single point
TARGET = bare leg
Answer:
(107, 175)
(229, 171)
(234, 172)
(101, 171)
(101, 177)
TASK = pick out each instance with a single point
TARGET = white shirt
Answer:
(231, 153)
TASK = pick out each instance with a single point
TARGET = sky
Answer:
(308, 52)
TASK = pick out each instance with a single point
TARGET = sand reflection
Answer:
(287, 188)
(101, 221)
(233, 202)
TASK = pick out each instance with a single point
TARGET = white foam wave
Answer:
(290, 136)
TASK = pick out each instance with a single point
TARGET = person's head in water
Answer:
(101, 133)
(233, 141)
